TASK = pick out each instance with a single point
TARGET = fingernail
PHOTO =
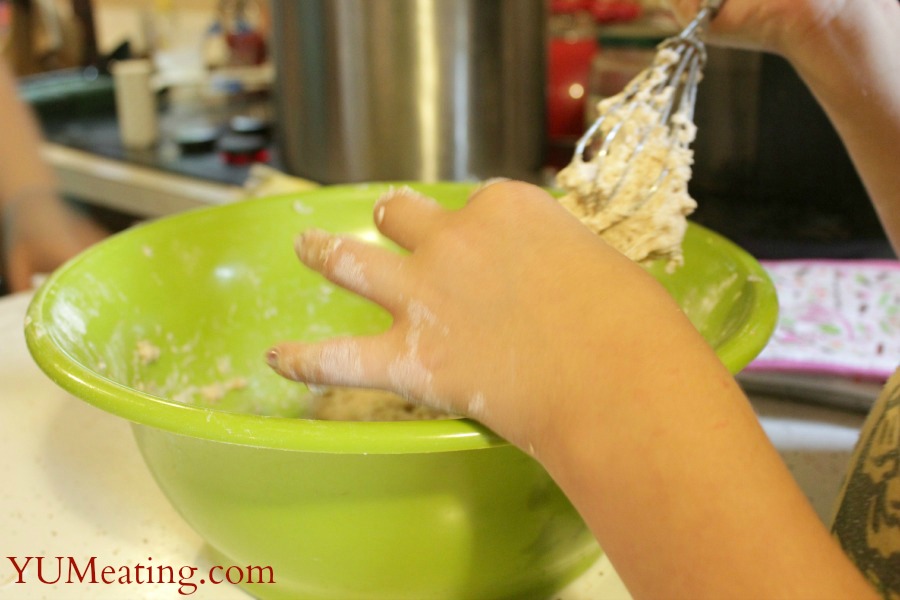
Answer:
(379, 212)
(392, 192)
(405, 190)
(301, 242)
(486, 184)
(272, 358)
(305, 242)
(489, 182)
(385, 196)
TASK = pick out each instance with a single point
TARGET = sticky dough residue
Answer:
(147, 353)
(635, 196)
(354, 404)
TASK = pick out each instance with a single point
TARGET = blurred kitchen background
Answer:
(261, 96)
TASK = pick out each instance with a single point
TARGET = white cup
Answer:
(135, 103)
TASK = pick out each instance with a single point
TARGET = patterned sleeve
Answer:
(867, 516)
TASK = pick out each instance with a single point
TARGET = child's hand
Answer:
(781, 26)
(504, 311)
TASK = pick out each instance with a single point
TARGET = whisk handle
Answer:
(712, 6)
(708, 10)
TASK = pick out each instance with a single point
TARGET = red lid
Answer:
(614, 11)
(567, 7)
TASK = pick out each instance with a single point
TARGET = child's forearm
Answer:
(24, 174)
(668, 464)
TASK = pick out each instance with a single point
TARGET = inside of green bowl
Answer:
(175, 316)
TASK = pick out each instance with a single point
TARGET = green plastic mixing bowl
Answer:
(166, 325)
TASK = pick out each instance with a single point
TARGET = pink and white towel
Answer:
(837, 317)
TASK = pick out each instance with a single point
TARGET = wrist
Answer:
(844, 54)
(646, 358)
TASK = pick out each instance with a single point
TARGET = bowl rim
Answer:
(299, 434)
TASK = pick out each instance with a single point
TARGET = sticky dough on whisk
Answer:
(643, 226)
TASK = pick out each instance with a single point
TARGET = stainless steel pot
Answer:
(410, 89)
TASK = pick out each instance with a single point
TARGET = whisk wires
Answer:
(669, 85)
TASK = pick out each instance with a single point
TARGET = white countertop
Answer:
(76, 486)
(132, 188)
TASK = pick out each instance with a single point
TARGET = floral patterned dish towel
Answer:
(836, 317)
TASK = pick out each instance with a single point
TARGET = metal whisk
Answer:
(669, 85)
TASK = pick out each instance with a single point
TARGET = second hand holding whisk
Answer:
(628, 177)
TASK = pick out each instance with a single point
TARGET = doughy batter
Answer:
(634, 195)
(354, 404)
